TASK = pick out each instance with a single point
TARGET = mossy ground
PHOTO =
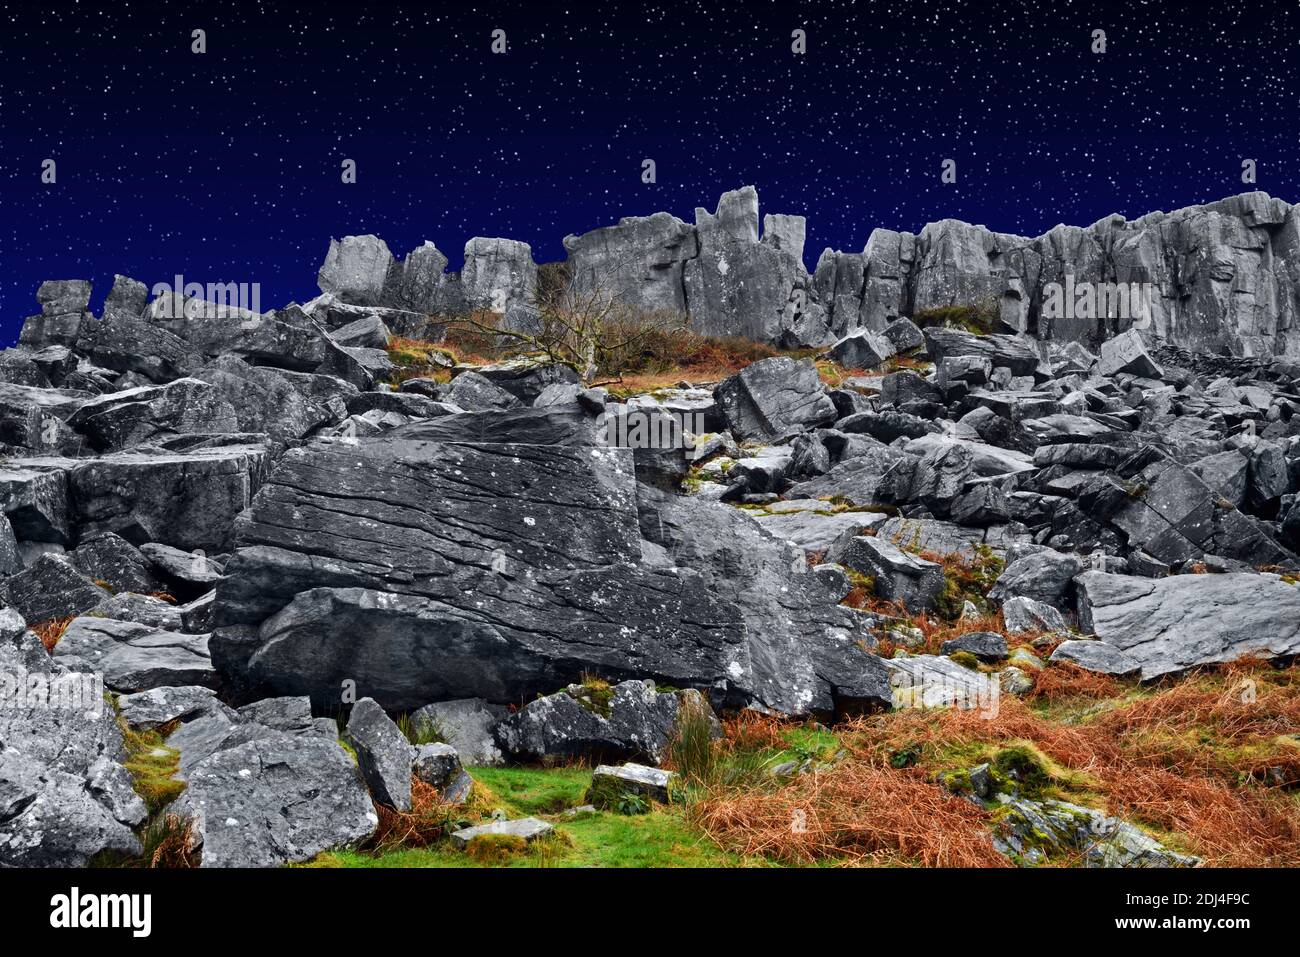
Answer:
(980, 319)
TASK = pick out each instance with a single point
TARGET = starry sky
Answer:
(226, 166)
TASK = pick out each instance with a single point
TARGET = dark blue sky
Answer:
(225, 166)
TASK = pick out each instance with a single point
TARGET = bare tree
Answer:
(585, 324)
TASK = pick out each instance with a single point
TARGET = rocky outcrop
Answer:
(361, 271)
(232, 521)
(1218, 277)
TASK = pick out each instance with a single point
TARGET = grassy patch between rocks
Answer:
(661, 837)
(165, 838)
(1208, 765)
(414, 359)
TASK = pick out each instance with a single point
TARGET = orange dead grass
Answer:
(753, 731)
(51, 630)
(857, 812)
(425, 823)
(1206, 761)
(1065, 682)
(1197, 759)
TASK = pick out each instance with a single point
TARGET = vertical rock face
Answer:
(420, 283)
(1222, 275)
(498, 273)
(738, 285)
(641, 260)
(356, 269)
(960, 264)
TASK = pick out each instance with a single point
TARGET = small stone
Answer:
(609, 784)
(1025, 659)
(1013, 681)
(528, 828)
(987, 646)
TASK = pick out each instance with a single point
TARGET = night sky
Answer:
(226, 166)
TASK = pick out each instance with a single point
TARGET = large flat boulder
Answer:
(1168, 625)
(503, 570)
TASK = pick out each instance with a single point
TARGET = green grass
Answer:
(152, 765)
(534, 792)
(810, 741)
(661, 838)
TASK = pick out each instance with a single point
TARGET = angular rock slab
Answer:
(638, 722)
(899, 576)
(1023, 614)
(280, 798)
(1168, 625)
(186, 500)
(528, 828)
(160, 706)
(773, 398)
(931, 681)
(383, 754)
(135, 657)
(1098, 656)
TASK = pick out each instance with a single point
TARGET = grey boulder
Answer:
(383, 754)
(279, 798)
(136, 657)
(466, 725)
(65, 795)
(1168, 625)
(773, 398)
(635, 722)
(900, 576)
